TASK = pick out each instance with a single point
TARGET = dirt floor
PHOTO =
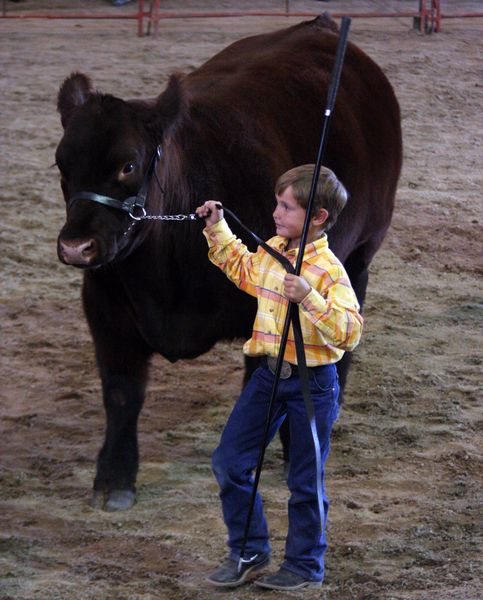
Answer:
(404, 476)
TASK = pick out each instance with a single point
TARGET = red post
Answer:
(437, 10)
(140, 18)
(422, 15)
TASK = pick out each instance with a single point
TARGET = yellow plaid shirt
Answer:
(329, 314)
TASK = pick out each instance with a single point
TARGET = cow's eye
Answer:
(128, 168)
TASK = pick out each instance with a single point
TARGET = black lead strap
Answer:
(276, 255)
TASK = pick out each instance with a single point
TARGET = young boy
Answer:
(331, 324)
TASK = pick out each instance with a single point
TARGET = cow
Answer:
(226, 131)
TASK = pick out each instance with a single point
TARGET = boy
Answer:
(331, 324)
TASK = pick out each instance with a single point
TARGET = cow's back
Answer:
(265, 95)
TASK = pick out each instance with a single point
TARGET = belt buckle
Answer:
(285, 371)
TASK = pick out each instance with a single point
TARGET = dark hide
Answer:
(227, 130)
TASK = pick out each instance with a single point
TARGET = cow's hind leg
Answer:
(251, 365)
(357, 267)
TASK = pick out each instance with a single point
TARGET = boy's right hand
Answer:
(210, 212)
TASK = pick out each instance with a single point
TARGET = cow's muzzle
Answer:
(79, 253)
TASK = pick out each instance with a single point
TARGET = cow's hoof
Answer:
(120, 500)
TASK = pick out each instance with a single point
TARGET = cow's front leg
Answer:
(123, 361)
(118, 460)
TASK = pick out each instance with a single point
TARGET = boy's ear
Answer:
(320, 217)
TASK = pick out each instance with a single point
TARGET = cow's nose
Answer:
(78, 252)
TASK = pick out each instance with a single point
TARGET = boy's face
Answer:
(289, 216)
(289, 219)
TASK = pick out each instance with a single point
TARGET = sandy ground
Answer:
(405, 472)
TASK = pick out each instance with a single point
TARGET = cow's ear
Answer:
(171, 104)
(75, 90)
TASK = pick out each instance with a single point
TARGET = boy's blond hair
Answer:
(329, 193)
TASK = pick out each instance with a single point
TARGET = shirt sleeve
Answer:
(229, 253)
(334, 311)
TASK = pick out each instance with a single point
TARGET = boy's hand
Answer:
(295, 288)
(210, 212)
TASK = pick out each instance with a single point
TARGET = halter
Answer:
(131, 204)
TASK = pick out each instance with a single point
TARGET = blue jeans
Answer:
(236, 457)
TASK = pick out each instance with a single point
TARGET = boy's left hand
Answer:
(295, 288)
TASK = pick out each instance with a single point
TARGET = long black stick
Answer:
(332, 93)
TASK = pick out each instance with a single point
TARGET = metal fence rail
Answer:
(427, 15)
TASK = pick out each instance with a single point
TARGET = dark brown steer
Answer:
(227, 131)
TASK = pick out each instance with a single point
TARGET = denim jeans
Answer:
(236, 457)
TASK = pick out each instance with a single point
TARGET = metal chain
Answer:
(192, 217)
(144, 217)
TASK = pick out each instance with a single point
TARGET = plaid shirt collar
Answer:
(312, 249)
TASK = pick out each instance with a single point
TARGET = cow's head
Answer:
(105, 152)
